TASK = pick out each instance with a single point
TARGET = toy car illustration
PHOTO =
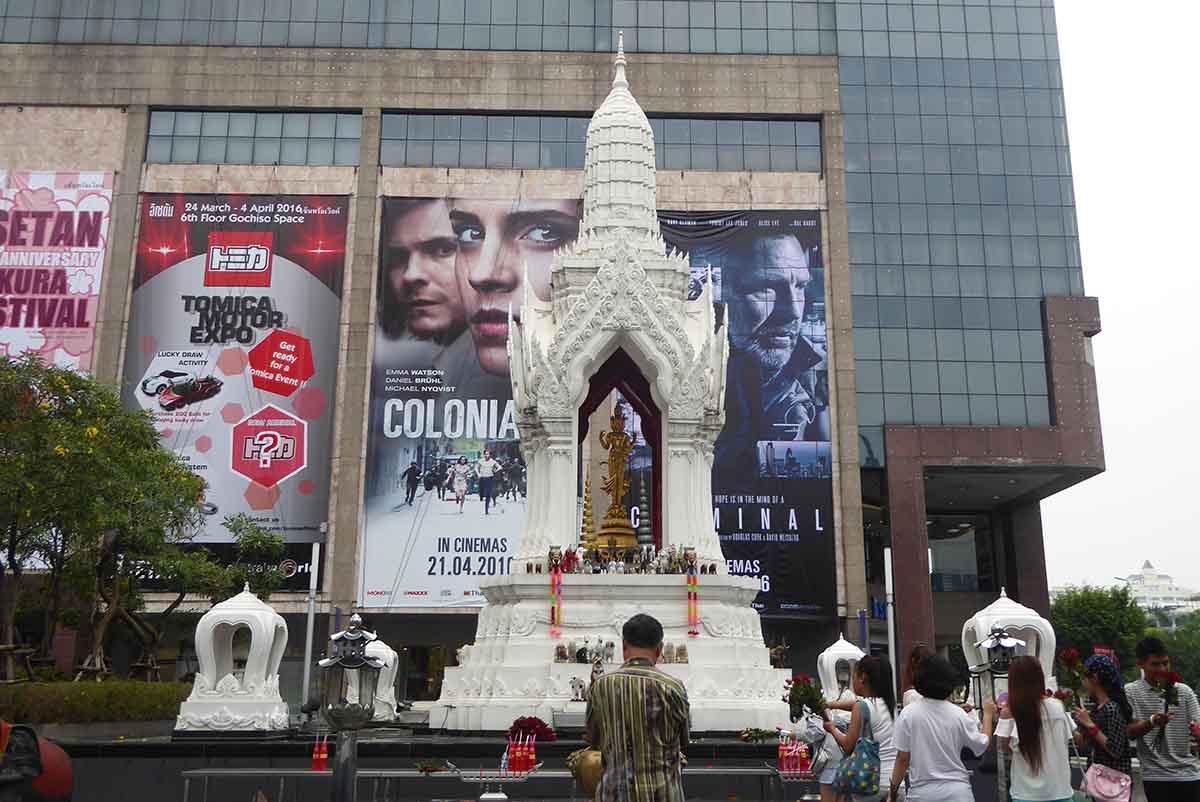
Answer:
(154, 385)
(189, 392)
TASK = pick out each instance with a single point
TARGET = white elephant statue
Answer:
(385, 689)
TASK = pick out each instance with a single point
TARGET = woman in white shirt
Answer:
(918, 653)
(930, 736)
(1036, 730)
(872, 683)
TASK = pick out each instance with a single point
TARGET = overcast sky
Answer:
(1131, 77)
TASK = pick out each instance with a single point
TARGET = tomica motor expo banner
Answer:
(233, 339)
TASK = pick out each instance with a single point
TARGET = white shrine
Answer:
(223, 698)
(616, 299)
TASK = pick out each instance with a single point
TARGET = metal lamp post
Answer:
(349, 678)
(1000, 648)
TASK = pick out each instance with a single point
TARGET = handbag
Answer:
(1105, 784)
(858, 773)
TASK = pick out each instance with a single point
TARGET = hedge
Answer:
(86, 702)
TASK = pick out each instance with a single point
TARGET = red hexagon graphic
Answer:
(232, 361)
(309, 403)
(281, 362)
(306, 487)
(203, 443)
(232, 413)
(269, 446)
(261, 498)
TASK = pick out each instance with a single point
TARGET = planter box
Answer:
(106, 730)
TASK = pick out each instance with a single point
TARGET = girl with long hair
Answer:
(460, 472)
(1104, 735)
(1035, 729)
(918, 653)
(872, 683)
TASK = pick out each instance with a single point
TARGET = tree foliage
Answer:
(258, 552)
(86, 492)
(1089, 616)
(1183, 644)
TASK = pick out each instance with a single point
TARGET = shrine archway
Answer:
(619, 372)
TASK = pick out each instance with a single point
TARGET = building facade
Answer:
(926, 141)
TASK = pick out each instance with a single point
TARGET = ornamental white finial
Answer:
(619, 78)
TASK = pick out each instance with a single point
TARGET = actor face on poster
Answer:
(772, 489)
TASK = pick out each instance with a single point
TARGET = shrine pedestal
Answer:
(510, 670)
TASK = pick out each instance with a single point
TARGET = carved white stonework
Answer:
(385, 688)
(615, 287)
(841, 651)
(1022, 623)
(220, 699)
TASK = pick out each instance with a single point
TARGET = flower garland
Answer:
(693, 599)
(556, 579)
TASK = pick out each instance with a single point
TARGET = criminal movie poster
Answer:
(53, 236)
(233, 339)
(442, 425)
(773, 461)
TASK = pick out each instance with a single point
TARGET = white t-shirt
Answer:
(1054, 780)
(486, 468)
(934, 732)
(910, 697)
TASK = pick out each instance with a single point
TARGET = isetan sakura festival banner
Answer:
(233, 339)
(53, 236)
(442, 418)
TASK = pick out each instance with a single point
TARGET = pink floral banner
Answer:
(53, 235)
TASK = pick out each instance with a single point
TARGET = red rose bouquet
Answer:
(801, 692)
(1164, 686)
(1070, 678)
(532, 725)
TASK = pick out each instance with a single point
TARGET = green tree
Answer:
(258, 552)
(56, 435)
(1183, 644)
(1089, 616)
(146, 509)
(181, 571)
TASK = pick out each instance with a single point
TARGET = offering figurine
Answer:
(681, 654)
(669, 653)
(581, 655)
(610, 652)
(578, 690)
(597, 670)
(560, 654)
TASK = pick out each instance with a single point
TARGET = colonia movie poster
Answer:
(442, 421)
(232, 346)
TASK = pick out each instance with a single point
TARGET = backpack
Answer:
(858, 772)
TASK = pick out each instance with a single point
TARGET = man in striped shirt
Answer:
(1170, 772)
(637, 716)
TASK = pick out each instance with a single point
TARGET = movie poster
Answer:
(53, 236)
(773, 461)
(232, 346)
(445, 484)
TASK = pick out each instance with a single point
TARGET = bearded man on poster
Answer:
(777, 388)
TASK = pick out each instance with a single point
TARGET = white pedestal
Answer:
(510, 671)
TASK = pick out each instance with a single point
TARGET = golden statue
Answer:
(616, 530)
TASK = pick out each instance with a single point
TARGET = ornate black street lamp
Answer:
(349, 678)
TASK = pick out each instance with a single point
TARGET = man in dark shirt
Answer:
(412, 478)
(638, 717)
